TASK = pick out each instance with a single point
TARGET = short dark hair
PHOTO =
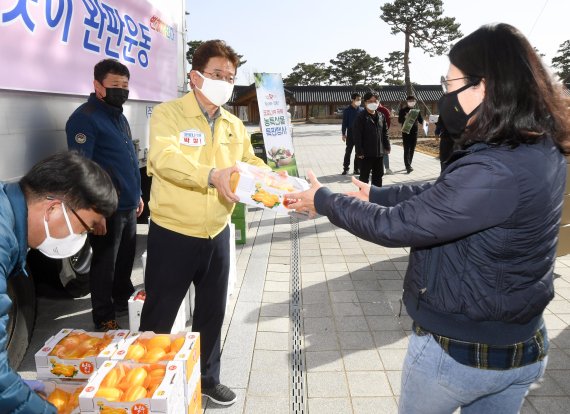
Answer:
(106, 66)
(411, 98)
(74, 179)
(355, 95)
(210, 49)
(368, 95)
(523, 102)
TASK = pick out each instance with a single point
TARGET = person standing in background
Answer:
(348, 116)
(99, 130)
(409, 118)
(371, 140)
(386, 112)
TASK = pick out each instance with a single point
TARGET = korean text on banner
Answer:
(274, 125)
(52, 46)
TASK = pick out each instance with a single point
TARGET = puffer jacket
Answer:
(483, 239)
(370, 134)
(15, 396)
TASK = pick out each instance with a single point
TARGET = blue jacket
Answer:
(101, 132)
(15, 396)
(348, 116)
(483, 239)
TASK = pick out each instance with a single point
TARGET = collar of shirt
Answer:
(212, 120)
(104, 105)
(374, 115)
(192, 109)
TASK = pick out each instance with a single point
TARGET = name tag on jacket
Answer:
(192, 138)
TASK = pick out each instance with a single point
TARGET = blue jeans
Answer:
(434, 383)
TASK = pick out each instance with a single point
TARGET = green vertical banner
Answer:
(274, 126)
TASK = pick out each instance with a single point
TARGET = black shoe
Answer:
(105, 326)
(344, 172)
(409, 169)
(356, 172)
(220, 394)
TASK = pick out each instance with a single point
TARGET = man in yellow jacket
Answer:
(194, 146)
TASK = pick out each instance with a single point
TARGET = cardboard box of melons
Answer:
(64, 395)
(75, 354)
(151, 348)
(263, 188)
(122, 387)
(195, 392)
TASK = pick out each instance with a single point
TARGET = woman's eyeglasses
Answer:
(445, 82)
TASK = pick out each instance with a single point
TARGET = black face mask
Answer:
(116, 96)
(454, 117)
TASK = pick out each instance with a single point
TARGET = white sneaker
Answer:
(388, 171)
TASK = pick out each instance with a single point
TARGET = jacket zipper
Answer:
(421, 292)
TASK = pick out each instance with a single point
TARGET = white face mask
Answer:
(411, 104)
(217, 91)
(357, 103)
(62, 248)
(372, 106)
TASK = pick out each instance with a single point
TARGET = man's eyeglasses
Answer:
(85, 226)
(83, 223)
(217, 75)
(445, 82)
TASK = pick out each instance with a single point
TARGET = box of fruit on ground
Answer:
(151, 348)
(263, 188)
(76, 354)
(121, 387)
(64, 395)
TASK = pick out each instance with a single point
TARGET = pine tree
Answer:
(423, 25)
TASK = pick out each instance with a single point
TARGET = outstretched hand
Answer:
(221, 180)
(363, 192)
(304, 202)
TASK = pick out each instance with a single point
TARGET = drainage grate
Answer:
(298, 398)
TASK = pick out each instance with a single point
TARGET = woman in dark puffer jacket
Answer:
(483, 236)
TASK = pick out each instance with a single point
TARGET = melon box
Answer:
(148, 347)
(64, 395)
(75, 354)
(121, 387)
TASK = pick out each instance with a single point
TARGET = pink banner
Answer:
(52, 45)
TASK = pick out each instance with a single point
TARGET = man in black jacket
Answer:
(409, 118)
(370, 134)
(99, 130)
(348, 116)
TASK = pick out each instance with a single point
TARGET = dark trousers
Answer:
(374, 165)
(409, 141)
(173, 262)
(112, 264)
(348, 153)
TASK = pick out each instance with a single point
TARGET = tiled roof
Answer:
(341, 94)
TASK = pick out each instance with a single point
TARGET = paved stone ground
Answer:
(353, 344)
